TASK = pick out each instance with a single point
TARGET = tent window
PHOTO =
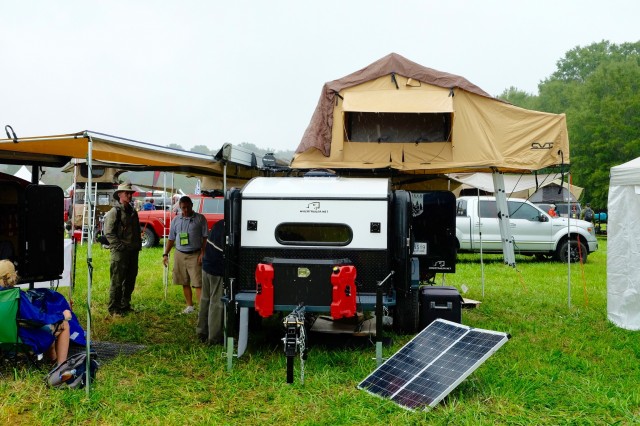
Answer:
(398, 127)
(96, 171)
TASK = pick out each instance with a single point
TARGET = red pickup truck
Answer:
(154, 224)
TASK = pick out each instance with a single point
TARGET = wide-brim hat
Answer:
(123, 187)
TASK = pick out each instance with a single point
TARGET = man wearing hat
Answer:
(122, 230)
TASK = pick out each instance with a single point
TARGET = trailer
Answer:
(326, 243)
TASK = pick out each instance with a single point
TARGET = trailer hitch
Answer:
(295, 341)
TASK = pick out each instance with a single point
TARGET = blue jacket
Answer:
(213, 260)
(39, 307)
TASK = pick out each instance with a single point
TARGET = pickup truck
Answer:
(154, 224)
(534, 231)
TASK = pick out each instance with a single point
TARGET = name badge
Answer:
(184, 239)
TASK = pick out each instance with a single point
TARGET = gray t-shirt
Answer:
(195, 229)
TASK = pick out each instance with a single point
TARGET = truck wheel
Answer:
(572, 250)
(149, 239)
(407, 312)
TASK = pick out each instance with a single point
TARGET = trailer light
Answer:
(336, 269)
(303, 272)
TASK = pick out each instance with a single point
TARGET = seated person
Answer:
(149, 205)
(45, 320)
(552, 211)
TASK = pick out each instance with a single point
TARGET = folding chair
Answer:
(11, 345)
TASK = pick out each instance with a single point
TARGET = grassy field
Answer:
(563, 365)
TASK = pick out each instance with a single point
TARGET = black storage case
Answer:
(439, 302)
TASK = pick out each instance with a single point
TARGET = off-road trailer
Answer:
(325, 242)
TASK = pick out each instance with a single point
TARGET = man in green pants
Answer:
(122, 229)
(209, 327)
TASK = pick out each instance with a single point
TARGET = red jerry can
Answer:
(264, 290)
(343, 280)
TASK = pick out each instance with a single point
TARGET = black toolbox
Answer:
(439, 302)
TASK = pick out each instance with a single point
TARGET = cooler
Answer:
(439, 302)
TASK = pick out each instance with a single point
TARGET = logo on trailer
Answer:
(313, 207)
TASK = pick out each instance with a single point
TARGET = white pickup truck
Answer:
(534, 231)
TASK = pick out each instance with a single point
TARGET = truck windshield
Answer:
(335, 234)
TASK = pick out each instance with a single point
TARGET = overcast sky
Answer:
(210, 72)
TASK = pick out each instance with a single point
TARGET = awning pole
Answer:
(569, 246)
(72, 217)
(89, 266)
(165, 275)
(480, 235)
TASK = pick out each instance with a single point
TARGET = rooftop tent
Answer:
(401, 115)
(623, 246)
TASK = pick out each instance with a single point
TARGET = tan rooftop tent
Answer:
(401, 115)
(399, 118)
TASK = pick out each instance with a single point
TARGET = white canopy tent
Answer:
(519, 185)
(623, 248)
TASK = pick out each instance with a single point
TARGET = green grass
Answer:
(563, 365)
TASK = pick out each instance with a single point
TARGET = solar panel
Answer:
(432, 364)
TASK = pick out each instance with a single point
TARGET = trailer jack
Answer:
(295, 341)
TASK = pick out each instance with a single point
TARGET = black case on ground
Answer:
(440, 302)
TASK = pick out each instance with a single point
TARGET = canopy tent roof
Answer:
(398, 104)
(118, 152)
(517, 185)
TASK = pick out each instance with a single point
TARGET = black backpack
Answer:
(588, 214)
(71, 373)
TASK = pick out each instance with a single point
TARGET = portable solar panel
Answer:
(432, 364)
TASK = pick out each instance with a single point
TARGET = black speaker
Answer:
(42, 221)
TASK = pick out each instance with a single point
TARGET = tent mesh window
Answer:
(394, 127)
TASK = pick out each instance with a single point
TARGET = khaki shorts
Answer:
(186, 269)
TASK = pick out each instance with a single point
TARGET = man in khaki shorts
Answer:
(188, 233)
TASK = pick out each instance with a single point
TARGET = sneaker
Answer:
(188, 310)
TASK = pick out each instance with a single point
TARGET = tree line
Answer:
(597, 88)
